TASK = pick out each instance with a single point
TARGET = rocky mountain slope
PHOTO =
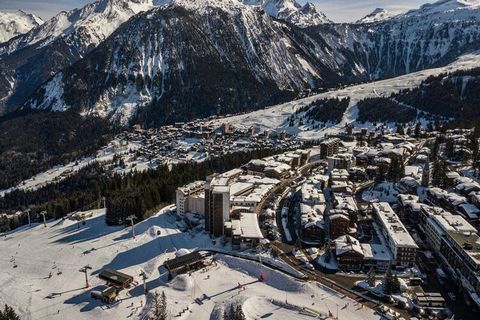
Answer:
(193, 60)
(16, 23)
(291, 11)
(431, 36)
(28, 60)
(190, 58)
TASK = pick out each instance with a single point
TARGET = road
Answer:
(284, 248)
(284, 252)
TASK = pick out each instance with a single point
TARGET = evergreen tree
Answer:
(163, 309)
(400, 129)
(8, 314)
(475, 147)
(439, 172)
(396, 170)
(391, 284)
(239, 315)
(159, 306)
(382, 173)
(395, 284)
(230, 313)
(371, 277)
(435, 149)
(417, 131)
(449, 148)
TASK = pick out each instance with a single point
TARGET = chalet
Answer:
(116, 278)
(339, 223)
(349, 253)
(185, 263)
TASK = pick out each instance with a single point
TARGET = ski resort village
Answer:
(361, 224)
(239, 160)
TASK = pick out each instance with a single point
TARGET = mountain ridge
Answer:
(16, 23)
(312, 56)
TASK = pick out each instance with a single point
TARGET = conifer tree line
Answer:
(8, 314)
(234, 313)
(391, 283)
(159, 306)
(34, 141)
(325, 110)
(137, 193)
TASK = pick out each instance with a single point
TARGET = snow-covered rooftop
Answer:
(393, 226)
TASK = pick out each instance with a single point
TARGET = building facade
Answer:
(397, 238)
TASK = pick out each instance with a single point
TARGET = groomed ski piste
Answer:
(40, 275)
(275, 118)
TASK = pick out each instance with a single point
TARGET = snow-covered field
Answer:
(276, 117)
(31, 254)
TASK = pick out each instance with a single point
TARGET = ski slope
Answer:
(276, 117)
(31, 254)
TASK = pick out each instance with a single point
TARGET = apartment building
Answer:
(397, 238)
(190, 198)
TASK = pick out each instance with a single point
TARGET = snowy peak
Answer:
(16, 23)
(446, 5)
(280, 8)
(308, 16)
(261, 60)
(378, 15)
(293, 12)
(96, 20)
(457, 9)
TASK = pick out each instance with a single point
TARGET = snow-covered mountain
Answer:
(28, 60)
(291, 11)
(94, 22)
(243, 56)
(193, 59)
(16, 23)
(432, 35)
(147, 72)
(308, 16)
(377, 15)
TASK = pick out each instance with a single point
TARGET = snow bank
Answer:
(182, 283)
(273, 278)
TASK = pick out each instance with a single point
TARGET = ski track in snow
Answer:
(38, 251)
(62, 245)
(275, 117)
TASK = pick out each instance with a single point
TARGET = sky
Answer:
(336, 10)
